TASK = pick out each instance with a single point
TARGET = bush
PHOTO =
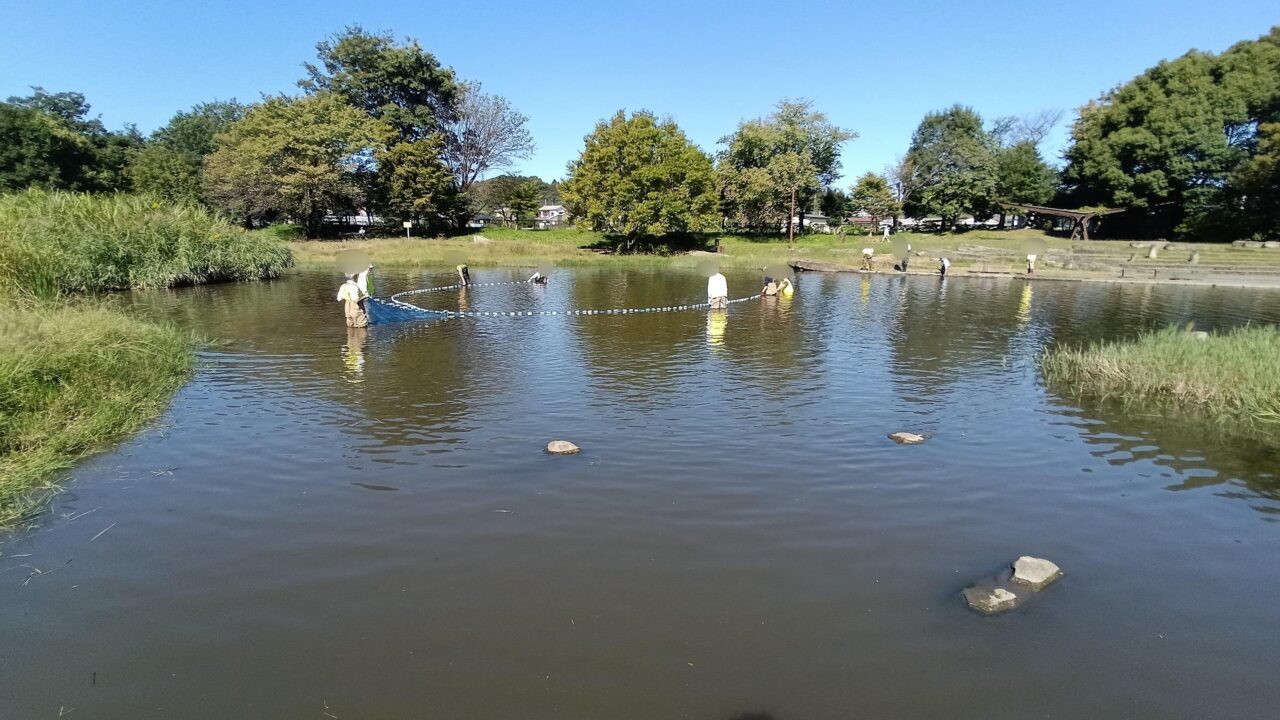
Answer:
(53, 243)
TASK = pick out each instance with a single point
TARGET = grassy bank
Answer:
(53, 243)
(1233, 377)
(73, 379)
(976, 250)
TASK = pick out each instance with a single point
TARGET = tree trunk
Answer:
(791, 217)
(1001, 225)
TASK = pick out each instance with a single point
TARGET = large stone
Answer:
(906, 438)
(562, 447)
(990, 600)
(1035, 573)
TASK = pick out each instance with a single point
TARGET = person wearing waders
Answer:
(349, 296)
(464, 274)
(364, 281)
(867, 254)
(718, 292)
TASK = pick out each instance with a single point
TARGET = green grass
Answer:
(54, 243)
(1231, 378)
(998, 250)
(72, 379)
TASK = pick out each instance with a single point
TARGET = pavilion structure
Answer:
(1080, 217)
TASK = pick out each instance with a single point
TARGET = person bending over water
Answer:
(718, 292)
(770, 287)
(785, 287)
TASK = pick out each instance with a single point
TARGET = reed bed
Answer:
(1231, 377)
(56, 243)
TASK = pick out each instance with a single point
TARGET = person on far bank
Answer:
(867, 254)
(1031, 264)
(943, 266)
(351, 298)
(718, 292)
(885, 236)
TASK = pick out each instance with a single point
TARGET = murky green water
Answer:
(364, 525)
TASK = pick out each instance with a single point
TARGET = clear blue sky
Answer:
(875, 68)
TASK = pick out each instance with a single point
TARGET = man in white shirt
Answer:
(350, 297)
(718, 292)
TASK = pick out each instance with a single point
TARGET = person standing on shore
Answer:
(1031, 264)
(867, 254)
(943, 266)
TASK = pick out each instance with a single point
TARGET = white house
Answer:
(552, 216)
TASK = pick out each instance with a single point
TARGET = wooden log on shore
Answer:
(816, 266)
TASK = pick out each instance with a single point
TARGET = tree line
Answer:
(381, 125)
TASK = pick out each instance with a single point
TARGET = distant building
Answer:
(813, 222)
(480, 220)
(550, 216)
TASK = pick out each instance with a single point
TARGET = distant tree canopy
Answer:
(953, 165)
(774, 165)
(639, 176)
(1183, 135)
(873, 195)
(300, 157)
(48, 140)
(169, 165)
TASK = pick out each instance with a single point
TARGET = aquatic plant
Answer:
(53, 243)
(1231, 377)
(73, 378)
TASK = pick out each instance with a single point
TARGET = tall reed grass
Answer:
(1230, 377)
(54, 243)
(73, 378)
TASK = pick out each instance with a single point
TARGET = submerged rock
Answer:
(1035, 573)
(990, 600)
(906, 438)
(562, 447)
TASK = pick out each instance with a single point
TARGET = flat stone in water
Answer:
(906, 438)
(990, 600)
(1035, 573)
(562, 447)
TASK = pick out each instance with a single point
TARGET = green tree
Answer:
(1173, 135)
(40, 150)
(170, 163)
(794, 130)
(398, 83)
(639, 176)
(416, 185)
(299, 158)
(873, 195)
(953, 165)
(102, 167)
(1255, 186)
(1023, 177)
(524, 201)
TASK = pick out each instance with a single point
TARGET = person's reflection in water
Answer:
(353, 354)
(716, 324)
(1024, 305)
(866, 289)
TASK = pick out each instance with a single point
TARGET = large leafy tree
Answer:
(1255, 186)
(40, 150)
(639, 176)
(299, 158)
(170, 163)
(953, 166)
(413, 182)
(1022, 176)
(1173, 136)
(873, 195)
(760, 166)
(94, 160)
(400, 84)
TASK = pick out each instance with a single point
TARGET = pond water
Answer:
(347, 524)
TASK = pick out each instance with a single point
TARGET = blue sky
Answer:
(875, 68)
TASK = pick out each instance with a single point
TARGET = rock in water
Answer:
(990, 600)
(1035, 573)
(906, 438)
(562, 447)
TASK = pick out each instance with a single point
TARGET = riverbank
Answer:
(76, 375)
(977, 252)
(1232, 378)
(72, 380)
